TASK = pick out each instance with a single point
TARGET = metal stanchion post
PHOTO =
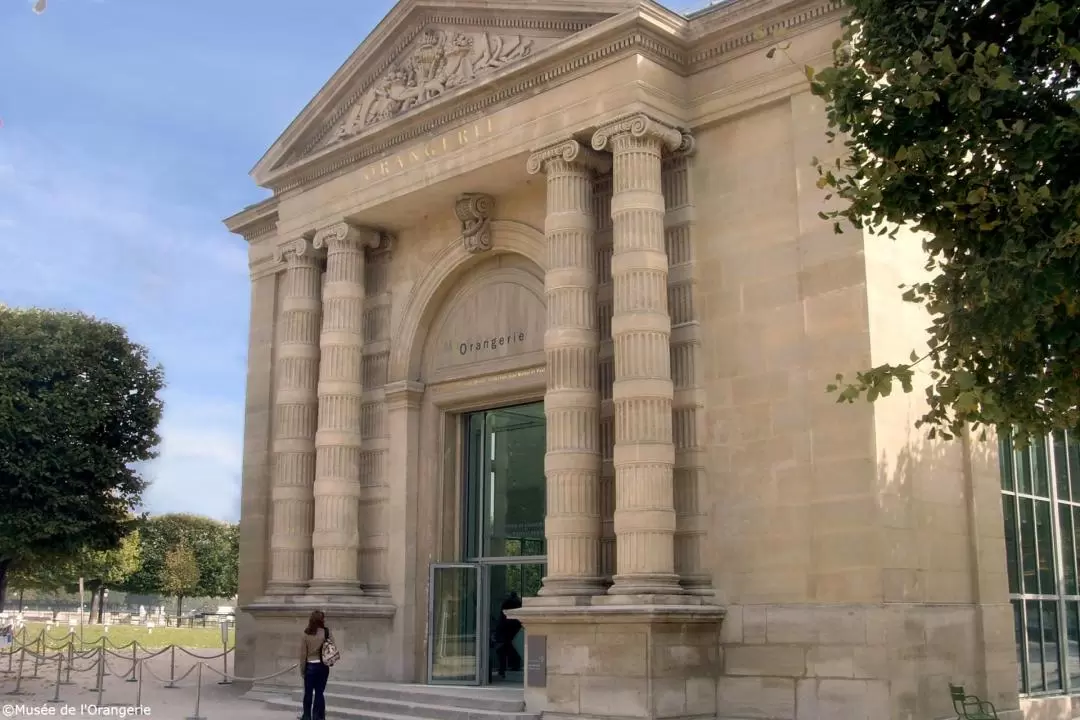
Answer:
(59, 667)
(225, 654)
(172, 667)
(70, 659)
(103, 651)
(18, 676)
(134, 660)
(138, 690)
(100, 675)
(37, 655)
(198, 693)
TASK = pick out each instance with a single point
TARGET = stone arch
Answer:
(509, 237)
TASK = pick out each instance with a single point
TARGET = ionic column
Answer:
(644, 455)
(295, 419)
(336, 537)
(571, 346)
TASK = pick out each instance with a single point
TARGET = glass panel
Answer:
(455, 646)
(507, 586)
(1034, 647)
(1042, 470)
(1045, 530)
(1051, 645)
(1011, 545)
(1074, 462)
(1018, 627)
(1061, 466)
(1005, 461)
(1072, 623)
(515, 492)
(1068, 548)
(1027, 546)
(1022, 459)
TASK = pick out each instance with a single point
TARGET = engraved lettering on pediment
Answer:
(442, 61)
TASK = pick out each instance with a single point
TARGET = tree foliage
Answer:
(79, 408)
(179, 575)
(961, 120)
(214, 545)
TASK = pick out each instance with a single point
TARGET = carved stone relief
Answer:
(474, 211)
(442, 61)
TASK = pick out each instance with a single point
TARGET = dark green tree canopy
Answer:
(961, 120)
(79, 408)
(214, 545)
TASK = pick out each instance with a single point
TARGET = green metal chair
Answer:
(969, 707)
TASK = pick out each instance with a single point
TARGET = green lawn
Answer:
(209, 637)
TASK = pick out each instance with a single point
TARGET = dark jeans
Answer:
(315, 677)
(508, 656)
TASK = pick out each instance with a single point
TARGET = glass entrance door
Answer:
(504, 498)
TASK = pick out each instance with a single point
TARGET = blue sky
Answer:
(128, 129)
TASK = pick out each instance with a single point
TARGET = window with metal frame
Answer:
(1040, 488)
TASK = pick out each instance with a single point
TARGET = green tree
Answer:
(179, 575)
(213, 543)
(79, 409)
(961, 120)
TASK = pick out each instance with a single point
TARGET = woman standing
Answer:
(312, 669)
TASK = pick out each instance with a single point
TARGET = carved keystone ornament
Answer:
(474, 210)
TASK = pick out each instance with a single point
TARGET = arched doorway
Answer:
(481, 490)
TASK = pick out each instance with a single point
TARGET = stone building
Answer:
(542, 306)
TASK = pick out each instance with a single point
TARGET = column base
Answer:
(626, 662)
(584, 587)
(286, 589)
(646, 584)
(334, 587)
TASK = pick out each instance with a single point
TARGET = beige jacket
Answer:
(311, 646)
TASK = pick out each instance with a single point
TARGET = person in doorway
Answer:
(506, 629)
(312, 670)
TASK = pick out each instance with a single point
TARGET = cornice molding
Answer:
(254, 221)
(698, 44)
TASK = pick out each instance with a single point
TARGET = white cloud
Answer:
(198, 470)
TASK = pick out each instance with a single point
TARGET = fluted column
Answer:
(336, 536)
(644, 455)
(295, 419)
(571, 346)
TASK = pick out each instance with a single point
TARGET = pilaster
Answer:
(687, 372)
(571, 345)
(643, 392)
(336, 536)
(295, 420)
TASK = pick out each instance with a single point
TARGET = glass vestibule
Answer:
(503, 551)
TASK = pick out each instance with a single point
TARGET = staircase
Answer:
(389, 701)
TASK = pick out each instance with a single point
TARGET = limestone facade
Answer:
(609, 207)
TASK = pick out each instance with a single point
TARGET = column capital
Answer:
(570, 151)
(295, 251)
(640, 125)
(346, 236)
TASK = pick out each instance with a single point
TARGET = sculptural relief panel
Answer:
(442, 60)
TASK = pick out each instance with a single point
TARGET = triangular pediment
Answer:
(425, 52)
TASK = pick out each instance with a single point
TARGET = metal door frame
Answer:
(481, 642)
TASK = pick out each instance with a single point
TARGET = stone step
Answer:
(336, 709)
(498, 700)
(389, 701)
